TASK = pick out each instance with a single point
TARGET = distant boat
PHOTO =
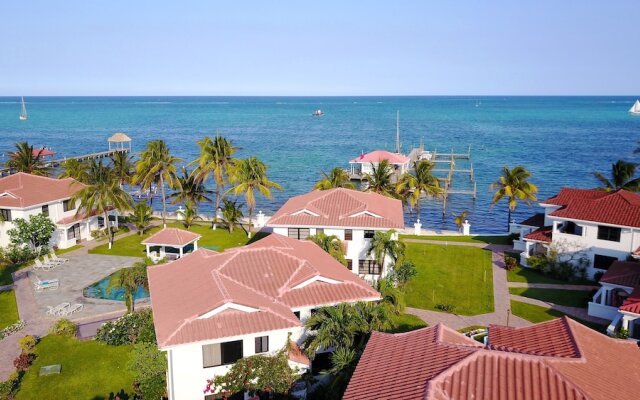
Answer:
(317, 113)
(23, 112)
(635, 108)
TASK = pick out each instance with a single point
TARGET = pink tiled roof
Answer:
(632, 303)
(624, 273)
(616, 208)
(543, 234)
(42, 152)
(337, 207)
(580, 364)
(379, 155)
(24, 190)
(172, 237)
(271, 275)
(296, 355)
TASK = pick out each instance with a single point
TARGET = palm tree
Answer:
(130, 279)
(411, 187)
(141, 216)
(514, 185)
(24, 160)
(460, 218)
(122, 167)
(156, 166)
(331, 244)
(72, 168)
(331, 327)
(392, 296)
(189, 214)
(102, 194)
(231, 213)
(250, 176)
(189, 189)
(337, 178)
(622, 177)
(379, 180)
(383, 245)
(216, 157)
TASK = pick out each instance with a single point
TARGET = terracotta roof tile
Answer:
(552, 338)
(536, 220)
(632, 303)
(296, 355)
(77, 217)
(378, 155)
(624, 273)
(23, 190)
(172, 237)
(543, 234)
(340, 208)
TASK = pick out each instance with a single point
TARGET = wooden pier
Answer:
(85, 157)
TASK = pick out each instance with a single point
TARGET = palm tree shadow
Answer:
(121, 395)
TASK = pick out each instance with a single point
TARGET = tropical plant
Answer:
(514, 186)
(403, 272)
(380, 179)
(383, 245)
(122, 167)
(149, 368)
(250, 176)
(421, 182)
(334, 326)
(102, 194)
(231, 213)
(331, 244)
(189, 190)
(73, 168)
(336, 178)
(622, 177)
(156, 166)
(131, 328)
(141, 216)
(216, 158)
(392, 298)
(64, 327)
(189, 214)
(130, 279)
(24, 159)
(460, 218)
(36, 232)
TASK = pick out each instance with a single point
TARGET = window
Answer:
(348, 234)
(369, 267)
(73, 232)
(368, 234)
(299, 233)
(350, 265)
(297, 314)
(262, 344)
(67, 206)
(570, 228)
(45, 210)
(6, 215)
(319, 231)
(603, 262)
(225, 353)
(609, 233)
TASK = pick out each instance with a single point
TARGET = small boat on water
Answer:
(23, 112)
(317, 113)
(635, 108)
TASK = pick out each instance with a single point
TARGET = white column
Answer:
(180, 251)
(116, 215)
(163, 252)
(88, 230)
(625, 322)
(148, 251)
(417, 226)
(195, 245)
(603, 296)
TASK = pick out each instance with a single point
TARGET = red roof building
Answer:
(559, 359)
(22, 190)
(379, 155)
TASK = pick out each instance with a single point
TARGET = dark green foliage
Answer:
(132, 328)
(64, 327)
(149, 368)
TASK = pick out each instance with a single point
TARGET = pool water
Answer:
(99, 290)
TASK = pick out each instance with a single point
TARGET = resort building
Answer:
(618, 298)
(559, 359)
(365, 163)
(350, 215)
(171, 243)
(211, 309)
(23, 195)
(582, 224)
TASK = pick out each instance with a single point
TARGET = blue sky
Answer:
(319, 48)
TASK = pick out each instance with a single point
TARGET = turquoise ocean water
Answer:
(562, 140)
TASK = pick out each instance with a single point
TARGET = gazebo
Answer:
(171, 243)
(120, 141)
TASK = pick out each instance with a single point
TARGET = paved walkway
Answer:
(551, 286)
(577, 312)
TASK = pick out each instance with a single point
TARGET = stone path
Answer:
(551, 286)
(577, 312)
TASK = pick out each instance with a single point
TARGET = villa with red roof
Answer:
(23, 195)
(365, 163)
(557, 360)
(211, 309)
(597, 226)
(351, 215)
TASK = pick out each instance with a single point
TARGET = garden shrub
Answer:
(13, 328)
(10, 386)
(15, 255)
(510, 263)
(131, 328)
(23, 361)
(149, 368)
(64, 327)
(622, 334)
(28, 343)
(448, 308)
(562, 270)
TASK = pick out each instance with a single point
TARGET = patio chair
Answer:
(40, 265)
(57, 310)
(41, 285)
(55, 258)
(47, 261)
(73, 309)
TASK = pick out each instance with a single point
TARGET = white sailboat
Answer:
(23, 112)
(635, 108)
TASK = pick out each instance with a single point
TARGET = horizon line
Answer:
(329, 96)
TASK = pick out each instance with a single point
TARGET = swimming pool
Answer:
(99, 290)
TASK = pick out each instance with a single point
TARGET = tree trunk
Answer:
(108, 229)
(509, 219)
(219, 189)
(249, 230)
(164, 203)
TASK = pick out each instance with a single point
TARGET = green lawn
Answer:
(8, 308)
(406, 323)
(90, 370)
(67, 250)
(571, 298)
(535, 314)
(456, 275)
(130, 245)
(488, 239)
(528, 275)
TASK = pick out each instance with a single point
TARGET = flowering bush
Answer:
(28, 343)
(132, 328)
(64, 327)
(23, 361)
(13, 328)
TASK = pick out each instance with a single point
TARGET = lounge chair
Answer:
(41, 285)
(55, 258)
(40, 265)
(74, 308)
(47, 261)
(58, 310)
